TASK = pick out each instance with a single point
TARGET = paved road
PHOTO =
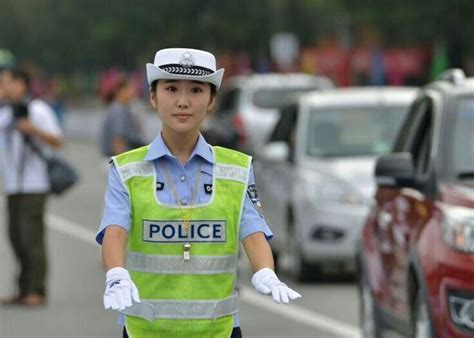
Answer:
(76, 278)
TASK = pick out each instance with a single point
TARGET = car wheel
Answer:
(422, 325)
(369, 319)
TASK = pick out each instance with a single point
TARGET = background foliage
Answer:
(69, 36)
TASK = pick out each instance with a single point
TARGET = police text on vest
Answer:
(175, 231)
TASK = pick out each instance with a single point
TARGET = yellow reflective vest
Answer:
(184, 298)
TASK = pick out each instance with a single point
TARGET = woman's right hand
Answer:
(120, 291)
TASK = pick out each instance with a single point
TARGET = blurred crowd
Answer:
(367, 62)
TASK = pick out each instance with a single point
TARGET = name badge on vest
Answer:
(175, 231)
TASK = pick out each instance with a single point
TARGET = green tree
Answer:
(90, 35)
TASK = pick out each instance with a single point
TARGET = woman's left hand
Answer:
(266, 281)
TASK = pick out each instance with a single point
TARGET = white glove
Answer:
(266, 281)
(120, 291)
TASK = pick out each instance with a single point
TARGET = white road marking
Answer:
(299, 314)
(70, 228)
(292, 311)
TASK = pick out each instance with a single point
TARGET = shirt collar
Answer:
(159, 149)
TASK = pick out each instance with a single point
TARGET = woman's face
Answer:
(182, 105)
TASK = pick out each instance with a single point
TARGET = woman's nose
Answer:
(183, 101)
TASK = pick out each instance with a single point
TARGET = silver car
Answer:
(315, 176)
(248, 107)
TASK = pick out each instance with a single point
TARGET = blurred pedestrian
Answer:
(176, 210)
(24, 122)
(121, 130)
(3, 93)
(3, 106)
(54, 96)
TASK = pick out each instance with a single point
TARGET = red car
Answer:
(416, 253)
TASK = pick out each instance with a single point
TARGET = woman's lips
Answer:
(182, 116)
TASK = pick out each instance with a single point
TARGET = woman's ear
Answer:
(153, 98)
(212, 103)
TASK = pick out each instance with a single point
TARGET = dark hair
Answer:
(213, 89)
(155, 83)
(19, 74)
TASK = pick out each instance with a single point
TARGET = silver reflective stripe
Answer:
(178, 309)
(137, 169)
(197, 265)
(230, 172)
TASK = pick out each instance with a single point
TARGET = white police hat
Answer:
(184, 64)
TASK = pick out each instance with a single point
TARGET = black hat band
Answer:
(181, 70)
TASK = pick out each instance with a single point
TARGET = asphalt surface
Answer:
(329, 308)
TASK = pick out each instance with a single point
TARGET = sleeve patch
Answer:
(253, 196)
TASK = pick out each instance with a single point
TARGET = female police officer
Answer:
(175, 211)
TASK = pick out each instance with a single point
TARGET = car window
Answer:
(285, 125)
(421, 151)
(275, 97)
(463, 141)
(410, 126)
(418, 141)
(353, 131)
(228, 100)
(285, 129)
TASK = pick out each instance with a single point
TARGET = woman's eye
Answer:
(171, 89)
(196, 90)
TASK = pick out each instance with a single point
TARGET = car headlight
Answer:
(458, 228)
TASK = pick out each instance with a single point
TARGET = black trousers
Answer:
(236, 333)
(26, 232)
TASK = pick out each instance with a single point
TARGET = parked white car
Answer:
(248, 107)
(315, 176)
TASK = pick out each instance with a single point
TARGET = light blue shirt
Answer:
(117, 205)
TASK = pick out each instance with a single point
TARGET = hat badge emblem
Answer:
(186, 60)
